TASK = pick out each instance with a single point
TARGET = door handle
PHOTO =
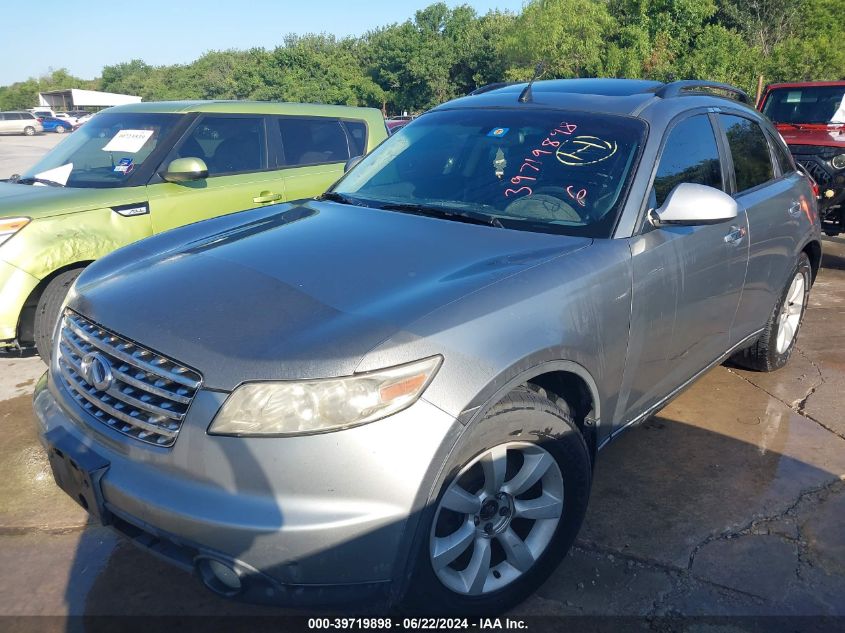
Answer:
(795, 209)
(736, 235)
(267, 196)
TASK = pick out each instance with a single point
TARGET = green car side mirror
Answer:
(185, 169)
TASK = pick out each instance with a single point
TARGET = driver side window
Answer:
(227, 144)
(690, 154)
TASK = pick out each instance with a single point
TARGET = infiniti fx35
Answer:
(397, 391)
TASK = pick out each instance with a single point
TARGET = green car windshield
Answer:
(539, 170)
(104, 151)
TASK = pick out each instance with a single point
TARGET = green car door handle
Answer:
(267, 196)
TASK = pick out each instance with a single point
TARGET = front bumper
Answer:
(15, 287)
(307, 520)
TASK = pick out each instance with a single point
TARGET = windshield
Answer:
(526, 168)
(810, 104)
(105, 151)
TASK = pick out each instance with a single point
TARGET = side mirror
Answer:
(184, 170)
(352, 162)
(691, 204)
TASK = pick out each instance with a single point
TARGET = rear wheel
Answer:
(508, 512)
(29, 130)
(47, 311)
(774, 346)
(60, 129)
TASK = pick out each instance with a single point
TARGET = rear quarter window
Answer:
(357, 132)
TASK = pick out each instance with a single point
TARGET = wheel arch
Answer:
(26, 318)
(560, 379)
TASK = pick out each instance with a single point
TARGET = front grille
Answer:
(146, 396)
(819, 173)
(824, 152)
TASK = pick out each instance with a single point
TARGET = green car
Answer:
(140, 169)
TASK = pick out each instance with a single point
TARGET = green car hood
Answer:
(43, 202)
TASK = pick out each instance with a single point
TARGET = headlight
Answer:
(10, 226)
(838, 161)
(318, 406)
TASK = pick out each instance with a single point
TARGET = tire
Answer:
(524, 426)
(47, 311)
(60, 129)
(29, 130)
(774, 346)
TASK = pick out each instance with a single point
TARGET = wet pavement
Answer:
(729, 502)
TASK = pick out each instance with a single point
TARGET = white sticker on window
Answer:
(128, 141)
(793, 96)
(57, 174)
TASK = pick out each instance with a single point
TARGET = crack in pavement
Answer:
(798, 406)
(677, 573)
(747, 528)
(37, 529)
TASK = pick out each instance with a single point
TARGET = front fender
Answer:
(48, 244)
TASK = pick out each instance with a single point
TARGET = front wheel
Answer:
(508, 512)
(774, 346)
(47, 311)
(60, 129)
(29, 130)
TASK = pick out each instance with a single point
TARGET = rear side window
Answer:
(749, 150)
(313, 141)
(690, 154)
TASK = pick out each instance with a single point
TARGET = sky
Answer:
(84, 37)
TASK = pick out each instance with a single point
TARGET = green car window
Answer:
(105, 151)
(227, 144)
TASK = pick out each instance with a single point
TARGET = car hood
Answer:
(829, 135)
(42, 202)
(300, 290)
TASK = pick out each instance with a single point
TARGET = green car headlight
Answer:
(10, 226)
(282, 408)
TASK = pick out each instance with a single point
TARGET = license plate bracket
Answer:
(78, 470)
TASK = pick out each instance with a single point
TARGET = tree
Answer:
(569, 36)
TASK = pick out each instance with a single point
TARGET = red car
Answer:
(810, 115)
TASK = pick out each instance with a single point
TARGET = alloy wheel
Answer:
(496, 518)
(790, 314)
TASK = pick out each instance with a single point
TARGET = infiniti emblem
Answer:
(96, 371)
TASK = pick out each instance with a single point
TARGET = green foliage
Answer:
(446, 52)
(569, 36)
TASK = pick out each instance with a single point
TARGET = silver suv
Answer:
(19, 122)
(398, 390)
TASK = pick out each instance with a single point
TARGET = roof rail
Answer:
(493, 86)
(678, 88)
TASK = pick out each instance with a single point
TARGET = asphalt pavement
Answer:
(18, 152)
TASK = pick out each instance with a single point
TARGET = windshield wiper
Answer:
(446, 214)
(333, 196)
(43, 181)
